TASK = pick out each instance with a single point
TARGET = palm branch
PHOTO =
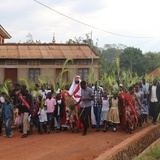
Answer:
(59, 79)
(23, 81)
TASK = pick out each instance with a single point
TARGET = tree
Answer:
(151, 61)
(107, 60)
(132, 59)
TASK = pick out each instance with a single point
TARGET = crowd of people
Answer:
(79, 106)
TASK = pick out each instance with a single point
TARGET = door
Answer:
(11, 73)
(65, 75)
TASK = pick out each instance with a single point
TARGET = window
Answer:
(34, 62)
(83, 62)
(83, 73)
(11, 62)
(34, 73)
(59, 62)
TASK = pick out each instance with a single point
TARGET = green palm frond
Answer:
(59, 79)
(6, 86)
(118, 65)
(48, 79)
(23, 81)
(4, 90)
(104, 80)
(41, 81)
(91, 79)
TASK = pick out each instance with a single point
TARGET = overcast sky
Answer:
(134, 23)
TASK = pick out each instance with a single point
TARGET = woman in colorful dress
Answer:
(113, 116)
(131, 115)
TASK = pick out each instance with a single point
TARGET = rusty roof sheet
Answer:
(156, 72)
(46, 51)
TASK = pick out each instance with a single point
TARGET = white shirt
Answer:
(145, 88)
(105, 105)
(43, 93)
(153, 94)
(42, 115)
(59, 102)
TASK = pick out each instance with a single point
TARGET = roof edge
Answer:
(5, 34)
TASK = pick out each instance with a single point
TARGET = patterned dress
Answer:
(113, 115)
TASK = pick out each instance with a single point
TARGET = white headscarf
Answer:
(74, 86)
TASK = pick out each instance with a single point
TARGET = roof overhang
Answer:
(4, 33)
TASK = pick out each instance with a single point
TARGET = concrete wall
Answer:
(133, 146)
(23, 73)
(50, 72)
(2, 75)
(72, 74)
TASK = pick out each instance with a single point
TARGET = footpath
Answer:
(133, 146)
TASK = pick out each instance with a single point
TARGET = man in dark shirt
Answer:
(25, 107)
(154, 98)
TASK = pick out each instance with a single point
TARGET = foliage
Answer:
(107, 59)
(59, 83)
(59, 79)
(23, 81)
(152, 154)
(132, 59)
(4, 90)
(6, 87)
(91, 79)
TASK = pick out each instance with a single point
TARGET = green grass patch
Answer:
(152, 154)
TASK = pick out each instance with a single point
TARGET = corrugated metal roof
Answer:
(46, 51)
(156, 72)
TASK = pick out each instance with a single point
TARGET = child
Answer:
(105, 110)
(50, 103)
(58, 113)
(34, 117)
(113, 115)
(42, 119)
(17, 121)
(146, 111)
(7, 110)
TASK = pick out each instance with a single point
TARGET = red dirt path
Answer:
(60, 146)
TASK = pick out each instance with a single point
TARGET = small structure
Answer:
(155, 73)
(29, 61)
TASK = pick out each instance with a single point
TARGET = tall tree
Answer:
(151, 61)
(132, 59)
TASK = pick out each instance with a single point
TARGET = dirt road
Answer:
(61, 146)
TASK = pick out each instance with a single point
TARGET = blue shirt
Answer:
(7, 110)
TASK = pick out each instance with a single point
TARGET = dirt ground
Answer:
(61, 146)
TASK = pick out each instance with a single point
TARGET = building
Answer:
(154, 73)
(29, 61)
(3, 35)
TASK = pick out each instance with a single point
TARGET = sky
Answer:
(134, 23)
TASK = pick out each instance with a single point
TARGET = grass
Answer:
(152, 154)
